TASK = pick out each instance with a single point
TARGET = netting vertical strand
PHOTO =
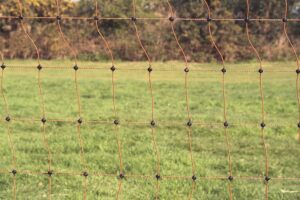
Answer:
(23, 25)
(80, 120)
(2, 58)
(285, 20)
(247, 21)
(116, 122)
(58, 21)
(9, 134)
(113, 68)
(152, 123)
(107, 46)
(189, 117)
(42, 104)
(45, 140)
(230, 178)
(116, 129)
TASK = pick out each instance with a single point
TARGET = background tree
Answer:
(155, 34)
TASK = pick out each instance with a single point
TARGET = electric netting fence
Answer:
(158, 177)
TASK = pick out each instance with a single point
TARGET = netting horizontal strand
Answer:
(149, 177)
(148, 18)
(159, 124)
(154, 124)
(28, 68)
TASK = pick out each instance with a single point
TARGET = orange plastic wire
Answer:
(119, 189)
(189, 117)
(262, 99)
(153, 132)
(107, 46)
(224, 97)
(195, 68)
(163, 123)
(296, 58)
(148, 18)
(2, 58)
(9, 134)
(44, 138)
(62, 34)
(116, 128)
(78, 126)
(146, 176)
(109, 52)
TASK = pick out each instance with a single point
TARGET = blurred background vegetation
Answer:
(156, 34)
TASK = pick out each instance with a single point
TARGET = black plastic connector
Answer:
(85, 174)
(262, 125)
(121, 176)
(3, 66)
(96, 18)
(7, 118)
(50, 173)
(171, 18)
(14, 172)
(223, 70)
(157, 176)
(79, 121)
(75, 67)
(230, 178)
(150, 69)
(116, 122)
(186, 70)
(260, 71)
(284, 20)
(208, 19)
(298, 71)
(267, 179)
(152, 123)
(194, 178)
(226, 124)
(189, 123)
(43, 120)
(39, 67)
(133, 19)
(113, 68)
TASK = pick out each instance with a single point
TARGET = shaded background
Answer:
(155, 34)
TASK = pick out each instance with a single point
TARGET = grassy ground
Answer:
(134, 105)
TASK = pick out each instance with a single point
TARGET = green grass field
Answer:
(133, 104)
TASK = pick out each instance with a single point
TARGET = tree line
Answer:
(156, 35)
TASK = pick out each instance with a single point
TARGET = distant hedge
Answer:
(155, 34)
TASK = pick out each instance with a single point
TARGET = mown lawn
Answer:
(133, 103)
